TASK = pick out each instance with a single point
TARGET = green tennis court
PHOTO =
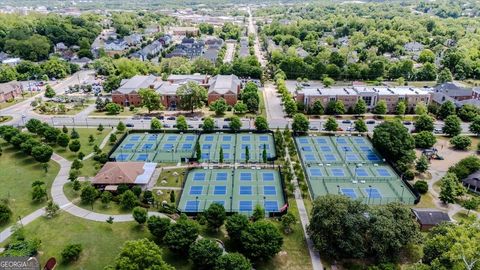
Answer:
(349, 165)
(237, 190)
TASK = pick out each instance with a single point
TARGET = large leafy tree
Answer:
(468, 112)
(181, 123)
(380, 108)
(452, 126)
(235, 224)
(208, 124)
(215, 215)
(335, 107)
(331, 124)
(300, 123)
(150, 99)
(360, 107)
(204, 253)
(42, 153)
(141, 254)
(424, 139)
(219, 106)
(181, 235)
(446, 109)
(158, 226)
(191, 96)
(261, 123)
(261, 240)
(235, 123)
(395, 143)
(424, 123)
(475, 126)
(450, 188)
(233, 261)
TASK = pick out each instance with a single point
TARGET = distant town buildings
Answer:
(9, 91)
(185, 31)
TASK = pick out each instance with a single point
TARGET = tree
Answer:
(71, 253)
(33, 125)
(258, 213)
(204, 253)
(219, 106)
(191, 96)
(360, 107)
(327, 82)
(5, 213)
(331, 124)
(76, 185)
(215, 215)
(360, 125)
(233, 261)
(63, 140)
(140, 215)
(316, 108)
(100, 127)
(475, 126)
(250, 96)
(113, 108)
(471, 204)
(99, 104)
(421, 108)
(421, 186)
(380, 108)
(74, 134)
(422, 164)
(112, 138)
(395, 143)
(290, 106)
(335, 107)
(91, 139)
(235, 224)
(247, 154)
(452, 126)
(450, 188)
(235, 123)
(337, 225)
(424, 123)
(287, 221)
(74, 146)
(42, 153)
(158, 226)
(220, 155)
(401, 108)
(182, 123)
(468, 112)
(121, 126)
(141, 254)
(261, 240)
(128, 200)
(424, 139)
(264, 153)
(49, 92)
(261, 123)
(181, 235)
(51, 209)
(150, 99)
(300, 123)
(39, 191)
(155, 124)
(426, 56)
(198, 151)
(460, 142)
(240, 107)
(88, 195)
(444, 76)
(105, 198)
(446, 109)
(208, 124)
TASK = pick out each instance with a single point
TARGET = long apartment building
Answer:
(349, 95)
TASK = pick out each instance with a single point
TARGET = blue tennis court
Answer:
(346, 149)
(263, 138)
(325, 148)
(338, 172)
(206, 146)
(245, 205)
(271, 206)
(307, 148)
(225, 146)
(245, 138)
(245, 190)
(246, 145)
(226, 155)
(349, 192)
(209, 138)
(303, 140)
(383, 172)
(227, 138)
(352, 157)
(310, 157)
(196, 190)
(135, 138)
(191, 206)
(361, 172)
(267, 176)
(330, 157)
(266, 146)
(187, 146)
(189, 138)
(372, 157)
(172, 138)
(359, 140)
(269, 190)
(315, 172)
(341, 140)
(373, 193)
(152, 137)
(128, 146)
(147, 146)
(365, 148)
(168, 147)
(321, 140)
(221, 176)
(122, 157)
(205, 155)
(199, 177)
(142, 157)
(220, 190)
(245, 176)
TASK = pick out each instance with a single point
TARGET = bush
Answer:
(71, 253)
(421, 186)
(5, 213)
(424, 139)
(461, 142)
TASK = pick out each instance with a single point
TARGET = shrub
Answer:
(71, 253)
(421, 186)
(461, 142)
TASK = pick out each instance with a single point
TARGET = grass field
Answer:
(90, 166)
(126, 112)
(86, 147)
(169, 176)
(18, 172)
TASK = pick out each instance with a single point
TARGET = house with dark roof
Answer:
(472, 182)
(413, 47)
(429, 218)
(453, 92)
(224, 86)
(127, 93)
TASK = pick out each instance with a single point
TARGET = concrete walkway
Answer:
(314, 255)
(5, 234)
(102, 144)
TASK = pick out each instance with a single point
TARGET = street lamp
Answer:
(338, 189)
(196, 203)
(369, 193)
(403, 189)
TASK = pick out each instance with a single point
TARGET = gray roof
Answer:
(168, 88)
(431, 216)
(211, 54)
(453, 90)
(135, 83)
(223, 84)
(9, 86)
(473, 179)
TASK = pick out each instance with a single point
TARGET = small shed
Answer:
(429, 218)
(472, 182)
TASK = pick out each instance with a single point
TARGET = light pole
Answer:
(338, 189)
(403, 189)
(369, 193)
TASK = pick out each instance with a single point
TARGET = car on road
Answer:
(313, 128)
(350, 129)
(171, 118)
(226, 127)
(370, 122)
(227, 119)
(147, 118)
(129, 125)
(346, 121)
(167, 126)
(189, 126)
(407, 123)
(438, 131)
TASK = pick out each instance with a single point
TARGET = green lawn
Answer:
(73, 111)
(86, 148)
(426, 201)
(5, 118)
(126, 112)
(90, 166)
(18, 172)
(172, 180)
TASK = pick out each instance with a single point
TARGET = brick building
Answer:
(224, 86)
(127, 93)
(9, 91)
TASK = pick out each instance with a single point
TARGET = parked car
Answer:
(129, 125)
(227, 119)
(167, 126)
(226, 127)
(347, 121)
(171, 118)
(350, 129)
(438, 131)
(407, 123)
(313, 128)
(370, 122)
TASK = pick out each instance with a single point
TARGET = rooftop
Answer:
(136, 82)
(222, 84)
(115, 173)
(430, 216)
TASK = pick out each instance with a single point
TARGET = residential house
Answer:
(472, 182)
(133, 39)
(244, 50)
(60, 47)
(114, 174)
(165, 40)
(118, 45)
(429, 218)
(189, 48)
(150, 50)
(185, 31)
(127, 93)
(452, 92)
(12, 61)
(9, 91)
(227, 87)
(413, 47)
(211, 54)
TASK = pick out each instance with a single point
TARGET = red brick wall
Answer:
(231, 99)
